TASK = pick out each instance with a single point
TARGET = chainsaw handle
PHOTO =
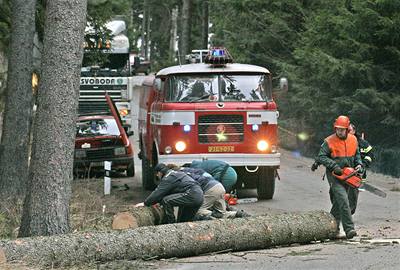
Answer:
(340, 177)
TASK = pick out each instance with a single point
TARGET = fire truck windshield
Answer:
(109, 64)
(218, 87)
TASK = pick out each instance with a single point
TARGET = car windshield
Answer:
(216, 87)
(96, 127)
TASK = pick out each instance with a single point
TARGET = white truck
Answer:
(106, 68)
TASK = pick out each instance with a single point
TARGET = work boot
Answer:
(350, 234)
(340, 235)
(242, 214)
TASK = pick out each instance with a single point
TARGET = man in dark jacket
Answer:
(340, 150)
(176, 189)
(220, 170)
(366, 153)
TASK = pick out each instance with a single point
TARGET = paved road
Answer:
(377, 222)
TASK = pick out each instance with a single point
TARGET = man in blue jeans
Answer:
(175, 189)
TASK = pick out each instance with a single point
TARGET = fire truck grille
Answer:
(99, 153)
(221, 128)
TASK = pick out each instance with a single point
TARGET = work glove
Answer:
(314, 166)
(360, 169)
(338, 171)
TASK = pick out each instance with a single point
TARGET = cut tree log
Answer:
(171, 240)
(138, 217)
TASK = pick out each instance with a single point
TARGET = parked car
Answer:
(102, 138)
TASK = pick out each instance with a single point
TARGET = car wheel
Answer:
(130, 171)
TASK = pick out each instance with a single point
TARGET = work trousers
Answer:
(214, 201)
(340, 204)
(353, 198)
(188, 202)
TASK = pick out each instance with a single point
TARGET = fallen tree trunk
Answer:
(172, 240)
(138, 217)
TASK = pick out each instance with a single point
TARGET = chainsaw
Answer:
(352, 178)
(231, 198)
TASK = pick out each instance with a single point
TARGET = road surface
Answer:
(377, 222)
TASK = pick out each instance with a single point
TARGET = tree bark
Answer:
(173, 33)
(186, 25)
(172, 240)
(143, 45)
(14, 147)
(46, 206)
(204, 30)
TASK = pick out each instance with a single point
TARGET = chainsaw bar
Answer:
(373, 190)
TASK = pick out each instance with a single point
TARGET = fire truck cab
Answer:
(213, 110)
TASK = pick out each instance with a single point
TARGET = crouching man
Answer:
(175, 189)
(214, 205)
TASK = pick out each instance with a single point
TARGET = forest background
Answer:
(340, 56)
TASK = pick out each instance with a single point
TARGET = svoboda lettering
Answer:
(97, 81)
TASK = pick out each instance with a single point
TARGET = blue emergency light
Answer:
(218, 56)
(218, 52)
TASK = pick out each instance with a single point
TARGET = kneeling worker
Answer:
(214, 205)
(175, 189)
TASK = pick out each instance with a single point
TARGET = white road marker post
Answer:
(107, 179)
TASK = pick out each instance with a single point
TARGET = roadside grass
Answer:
(10, 218)
(90, 210)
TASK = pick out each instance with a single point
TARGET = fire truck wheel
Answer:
(130, 171)
(147, 175)
(266, 183)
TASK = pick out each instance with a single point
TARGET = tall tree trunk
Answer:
(172, 240)
(148, 30)
(143, 47)
(14, 148)
(204, 30)
(46, 206)
(186, 23)
(173, 33)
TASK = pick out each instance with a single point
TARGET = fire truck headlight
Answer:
(119, 151)
(262, 145)
(186, 128)
(254, 127)
(180, 146)
(80, 153)
(168, 149)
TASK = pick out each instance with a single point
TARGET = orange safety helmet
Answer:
(342, 122)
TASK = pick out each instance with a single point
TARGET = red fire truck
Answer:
(213, 110)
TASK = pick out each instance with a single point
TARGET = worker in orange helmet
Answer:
(340, 150)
